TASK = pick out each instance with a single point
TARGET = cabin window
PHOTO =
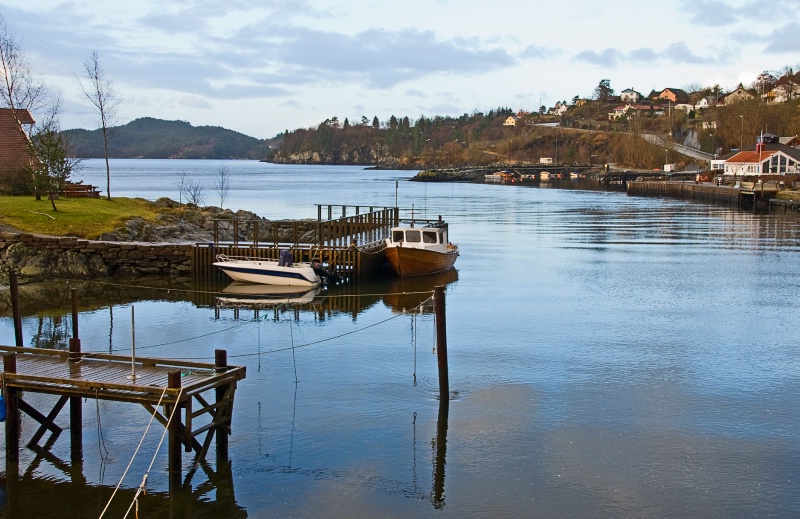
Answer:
(413, 236)
(397, 236)
(429, 236)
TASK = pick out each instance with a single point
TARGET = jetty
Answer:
(347, 240)
(192, 400)
(743, 194)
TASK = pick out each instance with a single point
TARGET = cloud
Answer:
(785, 39)
(607, 58)
(537, 52)
(383, 58)
(677, 52)
(195, 102)
(710, 12)
(716, 13)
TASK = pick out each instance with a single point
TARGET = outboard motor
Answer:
(324, 273)
(285, 259)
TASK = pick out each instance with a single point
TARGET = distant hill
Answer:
(149, 138)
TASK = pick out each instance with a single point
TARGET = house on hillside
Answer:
(705, 102)
(630, 95)
(511, 120)
(737, 96)
(559, 109)
(675, 95)
(765, 159)
(16, 154)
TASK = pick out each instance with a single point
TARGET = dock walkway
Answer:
(71, 375)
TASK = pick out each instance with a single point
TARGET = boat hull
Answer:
(408, 261)
(269, 273)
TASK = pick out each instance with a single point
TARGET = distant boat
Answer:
(268, 272)
(416, 251)
(504, 176)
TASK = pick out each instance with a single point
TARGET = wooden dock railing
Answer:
(350, 245)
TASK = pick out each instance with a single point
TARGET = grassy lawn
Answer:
(82, 217)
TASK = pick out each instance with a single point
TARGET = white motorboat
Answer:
(268, 272)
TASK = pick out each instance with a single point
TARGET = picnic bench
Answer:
(81, 191)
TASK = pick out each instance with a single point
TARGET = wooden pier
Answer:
(746, 194)
(175, 385)
(349, 246)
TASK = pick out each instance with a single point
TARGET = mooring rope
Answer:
(142, 486)
(134, 453)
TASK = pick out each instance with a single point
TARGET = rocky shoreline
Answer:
(140, 248)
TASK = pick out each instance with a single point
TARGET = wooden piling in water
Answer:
(12, 410)
(13, 282)
(220, 366)
(441, 344)
(174, 428)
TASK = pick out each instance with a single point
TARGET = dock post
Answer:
(74, 297)
(12, 411)
(174, 382)
(75, 409)
(441, 344)
(220, 365)
(14, 286)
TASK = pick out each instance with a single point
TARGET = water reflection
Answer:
(29, 495)
(407, 294)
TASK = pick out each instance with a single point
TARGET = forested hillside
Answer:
(150, 138)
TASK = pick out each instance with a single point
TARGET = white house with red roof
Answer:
(765, 159)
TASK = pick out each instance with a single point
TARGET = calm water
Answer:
(609, 356)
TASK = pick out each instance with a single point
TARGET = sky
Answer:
(261, 67)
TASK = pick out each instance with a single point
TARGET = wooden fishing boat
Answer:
(416, 251)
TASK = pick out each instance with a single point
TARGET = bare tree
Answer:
(195, 194)
(222, 183)
(182, 184)
(100, 93)
(21, 90)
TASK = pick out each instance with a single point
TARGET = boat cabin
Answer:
(430, 238)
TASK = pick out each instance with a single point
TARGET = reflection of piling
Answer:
(12, 411)
(174, 428)
(220, 366)
(441, 344)
(440, 442)
(440, 452)
(75, 404)
(14, 287)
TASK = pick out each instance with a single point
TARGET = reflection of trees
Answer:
(52, 332)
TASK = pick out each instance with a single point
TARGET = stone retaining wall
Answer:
(37, 255)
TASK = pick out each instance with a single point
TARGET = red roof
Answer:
(754, 157)
(15, 153)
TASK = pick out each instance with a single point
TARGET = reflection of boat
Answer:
(414, 251)
(268, 272)
(248, 294)
(409, 293)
